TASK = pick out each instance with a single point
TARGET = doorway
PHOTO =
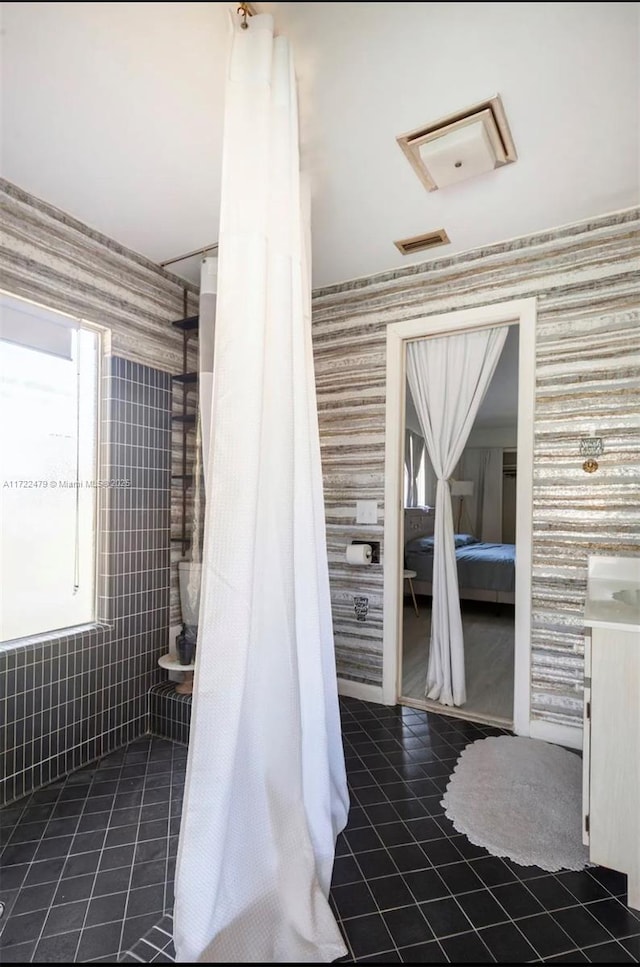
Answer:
(483, 502)
(520, 313)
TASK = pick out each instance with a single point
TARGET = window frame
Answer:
(103, 351)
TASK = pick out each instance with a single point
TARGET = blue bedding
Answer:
(481, 566)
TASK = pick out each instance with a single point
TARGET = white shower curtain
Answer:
(265, 794)
(449, 377)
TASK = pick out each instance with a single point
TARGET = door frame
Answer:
(521, 312)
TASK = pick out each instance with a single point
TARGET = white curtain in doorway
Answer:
(265, 792)
(482, 511)
(449, 377)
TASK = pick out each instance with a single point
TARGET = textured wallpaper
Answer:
(585, 278)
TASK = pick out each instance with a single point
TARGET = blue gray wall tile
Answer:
(73, 697)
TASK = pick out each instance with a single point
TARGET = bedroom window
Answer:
(49, 366)
(419, 478)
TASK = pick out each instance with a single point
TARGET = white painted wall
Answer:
(509, 485)
(494, 436)
(411, 417)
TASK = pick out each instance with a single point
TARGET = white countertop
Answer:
(608, 576)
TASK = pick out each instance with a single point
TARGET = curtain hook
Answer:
(243, 9)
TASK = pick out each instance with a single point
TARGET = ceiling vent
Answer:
(461, 145)
(419, 242)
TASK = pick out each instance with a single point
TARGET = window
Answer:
(419, 478)
(49, 366)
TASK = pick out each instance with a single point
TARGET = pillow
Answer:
(463, 540)
(460, 540)
(426, 541)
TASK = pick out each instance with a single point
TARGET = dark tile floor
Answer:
(407, 888)
(87, 863)
(156, 947)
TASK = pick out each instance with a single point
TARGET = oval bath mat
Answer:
(522, 799)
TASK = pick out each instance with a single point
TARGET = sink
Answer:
(628, 596)
(613, 593)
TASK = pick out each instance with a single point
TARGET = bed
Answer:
(486, 571)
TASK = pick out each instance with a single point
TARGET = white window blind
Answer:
(48, 482)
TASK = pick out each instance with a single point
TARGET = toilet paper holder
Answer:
(375, 549)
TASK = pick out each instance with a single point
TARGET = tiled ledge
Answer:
(169, 713)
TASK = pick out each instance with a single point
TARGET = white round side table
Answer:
(172, 664)
(409, 576)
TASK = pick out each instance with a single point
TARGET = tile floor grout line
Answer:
(66, 858)
(584, 907)
(166, 859)
(393, 941)
(530, 942)
(32, 860)
(604, 943)
(165, 908)
(119, 953)
(125, 749)
(135, 847)
(95, 777)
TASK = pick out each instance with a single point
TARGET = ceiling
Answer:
(113, 112)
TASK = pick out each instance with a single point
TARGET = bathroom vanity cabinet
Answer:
(611, 751)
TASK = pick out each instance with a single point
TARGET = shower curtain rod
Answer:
(244, 10)
(189, 255)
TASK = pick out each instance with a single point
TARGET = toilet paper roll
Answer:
(358, 553)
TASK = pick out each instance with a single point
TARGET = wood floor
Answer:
(489, 655)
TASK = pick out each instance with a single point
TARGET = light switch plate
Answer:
(366, 511)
